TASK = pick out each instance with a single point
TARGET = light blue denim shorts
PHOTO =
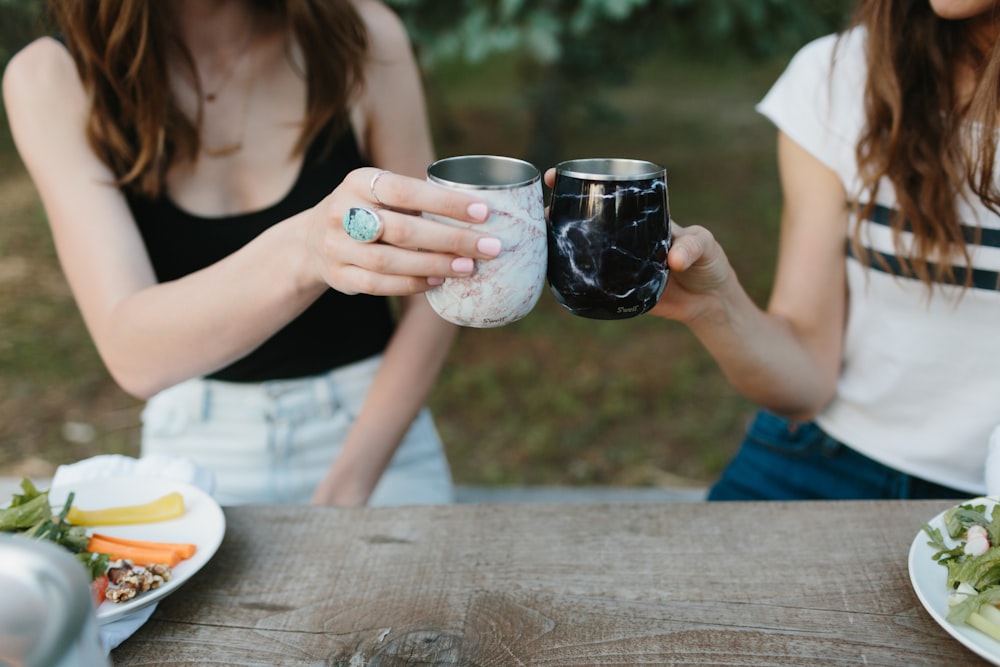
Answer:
(273, 442)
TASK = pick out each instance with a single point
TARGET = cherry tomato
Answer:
(98, 588)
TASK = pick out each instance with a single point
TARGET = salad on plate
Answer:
(120, 569)
(968, 544)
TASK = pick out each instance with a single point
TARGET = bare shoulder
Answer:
(386, 30)
(389, 114)
(40, 74)
(46, 110)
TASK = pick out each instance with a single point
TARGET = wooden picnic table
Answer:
(802, 583)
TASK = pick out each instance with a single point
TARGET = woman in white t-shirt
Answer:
(877, 361)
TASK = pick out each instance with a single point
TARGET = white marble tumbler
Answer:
(504, 289)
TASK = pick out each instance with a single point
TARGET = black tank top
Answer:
(335, 330)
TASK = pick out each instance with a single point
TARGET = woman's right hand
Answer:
(413, 253)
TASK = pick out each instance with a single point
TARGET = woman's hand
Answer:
(699, 272)
(413, 253)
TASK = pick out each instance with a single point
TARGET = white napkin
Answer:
(174, 468)
(993, 464)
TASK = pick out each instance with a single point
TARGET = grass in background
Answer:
(552, 399)
(56, 401)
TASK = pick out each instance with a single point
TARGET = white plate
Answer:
(202, 524)
(930, 582)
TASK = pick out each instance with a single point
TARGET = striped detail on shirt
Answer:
(984, 250)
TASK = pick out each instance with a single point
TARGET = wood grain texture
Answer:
(575, 584)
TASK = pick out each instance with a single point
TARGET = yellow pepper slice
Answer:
(166, 507)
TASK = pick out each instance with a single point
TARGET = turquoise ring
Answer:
(363, 224)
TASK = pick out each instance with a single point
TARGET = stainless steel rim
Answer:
(483, 172)
(611, 169)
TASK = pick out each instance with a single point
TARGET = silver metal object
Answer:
(483, 172)
(47, 618)
(371, 186)
(611, 169)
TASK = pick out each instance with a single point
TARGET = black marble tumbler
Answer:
(608, 237)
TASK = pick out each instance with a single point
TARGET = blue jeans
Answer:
(784, 460)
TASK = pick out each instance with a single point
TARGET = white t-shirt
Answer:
(920, 383)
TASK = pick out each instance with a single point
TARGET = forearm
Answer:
(410, 366)
(764, 356)
(157, 336)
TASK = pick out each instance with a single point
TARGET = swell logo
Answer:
(494, 320)
(628, 309)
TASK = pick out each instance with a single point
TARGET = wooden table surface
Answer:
(806, 583)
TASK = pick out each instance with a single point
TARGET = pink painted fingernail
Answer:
(478, 211)
(489, 246)
(462, 265)
(434, 280)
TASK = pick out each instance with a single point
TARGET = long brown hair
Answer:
(136, 127)
(920, 135)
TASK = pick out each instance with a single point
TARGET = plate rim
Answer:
(206, 551)
(920, 555)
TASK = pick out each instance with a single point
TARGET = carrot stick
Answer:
(138, 555)
(184, 549)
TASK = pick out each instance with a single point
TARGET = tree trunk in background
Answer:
(550, 104)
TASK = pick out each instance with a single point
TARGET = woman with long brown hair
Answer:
(235, 188)
(876, 361)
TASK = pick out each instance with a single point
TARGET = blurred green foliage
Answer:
(548, 31)
(20, 21)
(567, 49)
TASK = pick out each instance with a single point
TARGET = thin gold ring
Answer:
(371, 186)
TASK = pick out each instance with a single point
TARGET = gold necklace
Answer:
(235, 146)
(212, 95)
